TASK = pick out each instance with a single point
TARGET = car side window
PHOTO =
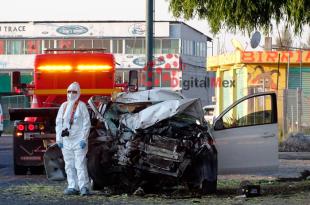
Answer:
(253, 111)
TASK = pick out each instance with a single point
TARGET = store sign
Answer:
(275, 57)
(164, 61)
(140, 61)
(102, 29)
(137, 29)
(72, 30)
(15, 28)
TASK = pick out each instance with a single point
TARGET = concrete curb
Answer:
(294, 155)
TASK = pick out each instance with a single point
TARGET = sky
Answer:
(102, 10)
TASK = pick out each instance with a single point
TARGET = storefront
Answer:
(257, 71)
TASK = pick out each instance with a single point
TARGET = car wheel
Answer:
(208, 187)
(0, 133)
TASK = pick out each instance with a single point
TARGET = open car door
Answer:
(246, 134)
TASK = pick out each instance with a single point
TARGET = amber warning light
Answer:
(94, 67)
(55, 68)
(66, 68)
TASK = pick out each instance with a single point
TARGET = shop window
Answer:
(170, 46)
(136, 46)
(2, 47)
(185, 47)
(166, 45)
(191, 49)
(157, 46)
(83, 44)
(203, 49)
(65, 44)
(195, 47)
(106, 45)
(48, 44)
(117, 46)
(102, 44)
(15, 47)
(33, 46)
(129, 46)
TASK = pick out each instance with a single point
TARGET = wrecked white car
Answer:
(151, 139)
(157, 138)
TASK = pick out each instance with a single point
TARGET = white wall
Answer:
(201, 89)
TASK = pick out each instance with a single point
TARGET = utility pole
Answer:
(149, 43)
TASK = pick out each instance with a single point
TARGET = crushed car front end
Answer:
(151, 142)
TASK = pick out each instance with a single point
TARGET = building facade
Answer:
(179, 50)
(284, 72)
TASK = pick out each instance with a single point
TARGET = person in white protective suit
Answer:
(72, 129)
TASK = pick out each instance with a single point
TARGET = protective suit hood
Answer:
(72, 97)
(73, 94)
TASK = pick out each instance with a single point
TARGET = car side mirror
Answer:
(219, 125)
(133, 81)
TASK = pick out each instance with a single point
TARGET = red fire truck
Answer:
(54, 71)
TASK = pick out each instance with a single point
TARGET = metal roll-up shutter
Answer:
(293, 84)
(294, 78)
(305, 118)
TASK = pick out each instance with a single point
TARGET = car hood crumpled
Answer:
(161, 111)
(155, 95)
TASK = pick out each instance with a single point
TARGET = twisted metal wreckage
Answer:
(150, 139)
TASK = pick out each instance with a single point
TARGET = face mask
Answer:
(72, 96)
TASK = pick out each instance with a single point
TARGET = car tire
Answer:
(0, 133)
(208, 187)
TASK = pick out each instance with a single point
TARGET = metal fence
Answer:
(13, 101)
(296, 111)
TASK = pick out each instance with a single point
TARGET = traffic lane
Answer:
(7, 176)
(6, 155)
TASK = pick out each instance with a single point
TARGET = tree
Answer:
(245, 15)
(284, 40)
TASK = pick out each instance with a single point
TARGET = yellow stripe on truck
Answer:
(83, 91)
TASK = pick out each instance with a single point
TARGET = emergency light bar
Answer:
(55, 68)
(94, 67)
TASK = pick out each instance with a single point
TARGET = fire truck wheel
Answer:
(20, 170)
(37, 170)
